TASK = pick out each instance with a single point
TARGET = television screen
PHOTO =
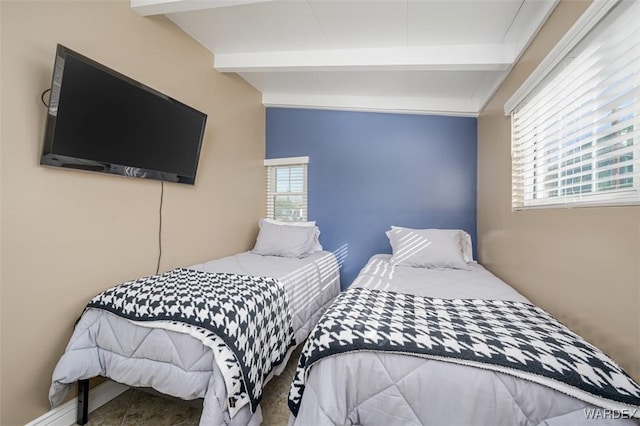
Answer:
(100, 120)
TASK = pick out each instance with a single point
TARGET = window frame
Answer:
(272, 166)
(543, 75)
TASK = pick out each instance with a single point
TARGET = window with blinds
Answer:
(576, 135)
(287, 189)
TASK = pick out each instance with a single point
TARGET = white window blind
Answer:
(576, 136)
(287, 189)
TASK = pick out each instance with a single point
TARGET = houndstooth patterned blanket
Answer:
(245, 320)
(510, 337)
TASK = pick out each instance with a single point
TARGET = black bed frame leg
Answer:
(83, 402)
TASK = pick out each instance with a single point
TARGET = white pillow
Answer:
(428, 248)
(316, 246)
(284, 240)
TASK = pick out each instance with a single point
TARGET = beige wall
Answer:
(582, 264)
(67, 235)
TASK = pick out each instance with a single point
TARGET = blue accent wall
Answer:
(368, 171)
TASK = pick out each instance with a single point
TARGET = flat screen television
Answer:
(100, 120)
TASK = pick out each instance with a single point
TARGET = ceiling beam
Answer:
(160, 7)
(400, 105)
(484, 57)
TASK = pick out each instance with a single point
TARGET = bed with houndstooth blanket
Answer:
(473, 352)
(172, 333)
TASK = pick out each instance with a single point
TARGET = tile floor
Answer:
(137, 407)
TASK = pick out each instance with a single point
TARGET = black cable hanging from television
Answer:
(160, 227)
(42, 98)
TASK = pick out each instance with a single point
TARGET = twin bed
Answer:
(427, 337)
(180, 360)
(400, 346)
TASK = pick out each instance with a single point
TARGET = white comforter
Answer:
(176, 364)
(375, 388)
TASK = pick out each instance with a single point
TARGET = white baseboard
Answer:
(65, 414)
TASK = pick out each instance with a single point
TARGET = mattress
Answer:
(477, 283)
(383, 388)
(177, 364)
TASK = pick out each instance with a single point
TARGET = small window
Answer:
(576, 133)
(287, 188)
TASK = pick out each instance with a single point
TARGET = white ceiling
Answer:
(411, 56)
